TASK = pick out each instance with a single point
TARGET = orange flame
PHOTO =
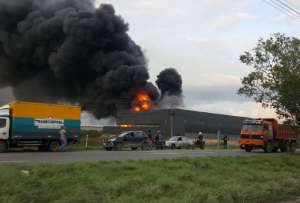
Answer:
(142, 102)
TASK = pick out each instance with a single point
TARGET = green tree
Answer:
(275, 81)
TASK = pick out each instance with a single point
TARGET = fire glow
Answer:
(142, 102)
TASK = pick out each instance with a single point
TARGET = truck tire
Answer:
(292, 147)
(248, 148)
(3, 147)
(268, 147)
(43, 148)
(53, 146)
(173, 146)
(283, 147)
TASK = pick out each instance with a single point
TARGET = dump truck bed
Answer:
(285, 133)
(32, 121)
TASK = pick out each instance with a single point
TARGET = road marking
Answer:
(165, 153)
(21, 161)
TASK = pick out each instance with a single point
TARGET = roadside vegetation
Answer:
(275, 79)
(211, 180)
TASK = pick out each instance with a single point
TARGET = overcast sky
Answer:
(203, 40)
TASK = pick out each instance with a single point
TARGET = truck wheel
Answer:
(248, 149)
(173, 146)
(53, 146)
(293, 147)
(108, 148)
(3, 147)
(268, 147)
(43, 148)
(133, 148)
(283, 147)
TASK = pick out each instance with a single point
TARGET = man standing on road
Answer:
(62, 138)
(149, 135)
(225, 141)
(158, 137)
(200, 140)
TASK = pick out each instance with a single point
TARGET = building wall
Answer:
(172, 122)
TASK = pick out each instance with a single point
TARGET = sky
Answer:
(203, 40)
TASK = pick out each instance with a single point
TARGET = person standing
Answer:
(149, 135)
(200, 140)
(158, 137)
(225, 141)
(62, 138)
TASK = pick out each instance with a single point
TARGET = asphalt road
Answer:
(85, 156)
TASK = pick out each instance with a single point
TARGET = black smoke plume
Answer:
(169, 82)
(67, 50)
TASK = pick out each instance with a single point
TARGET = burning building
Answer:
(174, 122)
(70, 51)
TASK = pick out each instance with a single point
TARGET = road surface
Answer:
(83, 156)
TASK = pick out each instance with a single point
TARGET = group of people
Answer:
(200, 140)
(157, 139)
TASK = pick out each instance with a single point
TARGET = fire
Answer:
(142, 102)
(126, 126)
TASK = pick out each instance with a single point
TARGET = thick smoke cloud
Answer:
(169, 82)
(67, 50)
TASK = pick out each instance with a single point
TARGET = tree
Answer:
(275, 81)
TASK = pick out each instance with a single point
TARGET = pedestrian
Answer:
(200, 140)
(149, 135)
(225, 141)
(200, 137)
(158, 137)
(62, 138)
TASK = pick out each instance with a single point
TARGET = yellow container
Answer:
(22, 109)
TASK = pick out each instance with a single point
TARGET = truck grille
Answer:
(250, 136)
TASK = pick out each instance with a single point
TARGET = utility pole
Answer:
(218, 136)
(172, 114)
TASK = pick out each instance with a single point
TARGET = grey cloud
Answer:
(213, 94)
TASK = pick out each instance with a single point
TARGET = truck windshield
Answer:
(252, 127)
(2, 123)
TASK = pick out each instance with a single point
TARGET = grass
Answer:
(208, 180)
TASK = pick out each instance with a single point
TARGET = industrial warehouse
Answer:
(177, 122)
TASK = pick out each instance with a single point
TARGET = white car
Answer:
(179, 142)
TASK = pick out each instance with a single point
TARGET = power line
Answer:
(294, 5)
(282, 9)
(289, 6)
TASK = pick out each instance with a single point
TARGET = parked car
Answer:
(129, 139)
(179, 142)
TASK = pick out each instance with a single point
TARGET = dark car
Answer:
(129, 139)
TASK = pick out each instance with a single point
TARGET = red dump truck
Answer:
(267, 134)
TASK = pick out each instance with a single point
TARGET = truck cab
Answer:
(266, 134)
(4, 128)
